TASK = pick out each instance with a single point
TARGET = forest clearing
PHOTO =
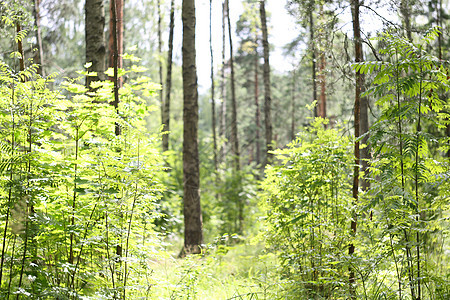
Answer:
(217, 149)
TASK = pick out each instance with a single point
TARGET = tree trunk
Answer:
(359, 85)
(267, 96)
(213, 103)
(294, 87)
(193, 235)
(257, 110)
(313, 57)
(223, 105)
(161, 97)
(234, 129)
(322, 105)
(95, 40)
(168, 87)
(39, 56)
(115, 51)
(118, 28)
(405, 10)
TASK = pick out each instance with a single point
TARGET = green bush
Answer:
(308, 202)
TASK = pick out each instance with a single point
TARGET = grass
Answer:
(242, 271)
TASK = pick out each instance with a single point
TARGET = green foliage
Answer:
(77, 201)
(308, 199)
(408, 199)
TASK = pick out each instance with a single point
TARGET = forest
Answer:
(253, 149)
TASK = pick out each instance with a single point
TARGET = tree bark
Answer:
(358, 88)
(234, 129)
(267, 96)
(223, 106)
(322, 105)
(39, 56)
(161, 97)
(95, 39)
(313, 56)
(118, 28)
(294, 88)
(168, 87)
(405, 10)
(193, 235)
(257, 109)
(213, 103)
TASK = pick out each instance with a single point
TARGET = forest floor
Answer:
(241, 271)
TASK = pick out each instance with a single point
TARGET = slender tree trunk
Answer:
(294, 88)
(95, 39)
(39, 56)
(161, 97)
(20, 49)
(358, 87)
(168, 87)
(267, 95)
(439, 23)
(313, 56)
(223, 104)
(116, 32)
(405, 10)
(213, 103)
(322, 105)
(234, 129)
(193, 234)
(116, 50)
(257, 109)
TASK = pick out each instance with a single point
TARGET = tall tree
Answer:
(193, 234)
(313, 53)
(39, 56)
(118, 20)
(322, 103)
(223, 106)
(405, 10)
(95, 39)
(213, 103)
(294, 88)
(234, 129)
(257, 109)
(168, 87)
(358, 89)
(266, 74)
(161, 96)
(116, 51)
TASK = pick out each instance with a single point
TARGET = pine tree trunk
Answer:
(115, 55)
(322, 105)
(118, 20)
(405, 10)
(213, 103)
(234, 129)
(39, 56)
(257, 109)
(223, 104)
(359, 84)
(115, 59)
(193, 235)
(168, 87)
(294, 88)
(313, 58)
(267, 96)
(161, 97)
(95, 40)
